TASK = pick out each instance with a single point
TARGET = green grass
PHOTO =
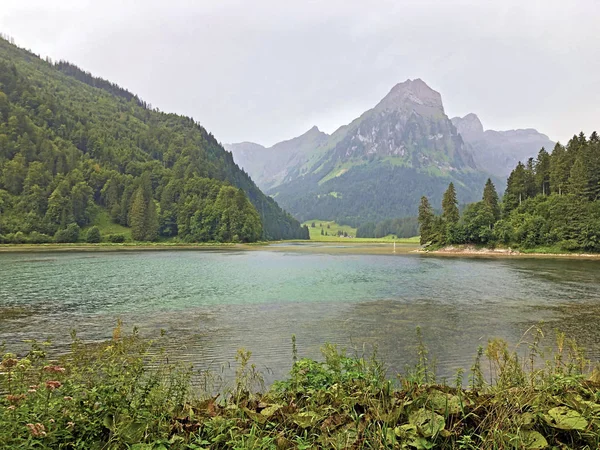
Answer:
(106, 226)
(334, 228)
(329, 227)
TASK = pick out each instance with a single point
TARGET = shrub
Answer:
(569, 245)
(93, 235)
(19, 238)
(116, 238)
(39, 238)
(68, 235)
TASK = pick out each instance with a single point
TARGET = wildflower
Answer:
(70, 425)
(54, 369)
(15, 399)
(37, 430)
(51, 385)
(8, 363)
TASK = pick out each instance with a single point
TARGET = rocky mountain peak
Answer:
(468, 126)
(412, 95)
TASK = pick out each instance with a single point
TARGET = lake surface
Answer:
(212, 303)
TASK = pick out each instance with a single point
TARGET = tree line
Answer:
(72, 145)
(403, 227)
(550, 201)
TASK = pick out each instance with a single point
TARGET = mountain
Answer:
(74, 147)
(374, 168)
(497, 152)
(272, 166)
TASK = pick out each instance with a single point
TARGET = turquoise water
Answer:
(213, 302)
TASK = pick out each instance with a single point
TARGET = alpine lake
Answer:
(210, 303)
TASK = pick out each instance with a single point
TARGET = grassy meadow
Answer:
(331, 229)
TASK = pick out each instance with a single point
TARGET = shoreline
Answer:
(28, 248)
(472, 251)
(404, 248)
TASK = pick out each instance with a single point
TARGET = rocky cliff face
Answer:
(409, 126)
(498, 152)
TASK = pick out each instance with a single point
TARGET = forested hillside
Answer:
(552, 201)
(72, 145)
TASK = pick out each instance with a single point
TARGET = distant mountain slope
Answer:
(497, 152)
(379, 165)
(275, 165)
(71, 143)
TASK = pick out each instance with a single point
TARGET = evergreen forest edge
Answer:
(550, 202)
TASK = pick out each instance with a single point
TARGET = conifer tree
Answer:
(490, 198)
(450, 206)
(516, 188)
(426, 218)
(578, 181)
(559, 170)
(142, 216)
(137, 216)
(542, 172)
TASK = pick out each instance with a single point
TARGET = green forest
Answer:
(73, 146)
(404, 227)
(552, 201)
(363, 194)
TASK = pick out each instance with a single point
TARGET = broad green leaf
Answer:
(270, 410)
(427, 422)
(133, 432)
(444, 403)
(257, 417)
(532, 440)
(526, 420)
(306, 419)
(565, 418)
(406, 431)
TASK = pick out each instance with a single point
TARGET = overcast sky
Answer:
(268, 70)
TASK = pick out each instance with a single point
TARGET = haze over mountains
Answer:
(498, 152)
(379, 165)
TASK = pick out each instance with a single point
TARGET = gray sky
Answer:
(268, 70)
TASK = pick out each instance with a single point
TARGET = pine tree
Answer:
(516, 188)
(490, 198)
(426, 218)
(137, 216)
(578, 181)
(450, 206)
(142, 215)
(559, 170)
(542, 172)
(151, 221)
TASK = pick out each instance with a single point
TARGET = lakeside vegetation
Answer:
(74, 147)
(125, 393)
(551, 204)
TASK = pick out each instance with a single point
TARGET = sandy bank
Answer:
(471, 250)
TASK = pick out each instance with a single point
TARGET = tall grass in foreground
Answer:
(115, 395)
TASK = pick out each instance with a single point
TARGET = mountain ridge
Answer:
(407, 131)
